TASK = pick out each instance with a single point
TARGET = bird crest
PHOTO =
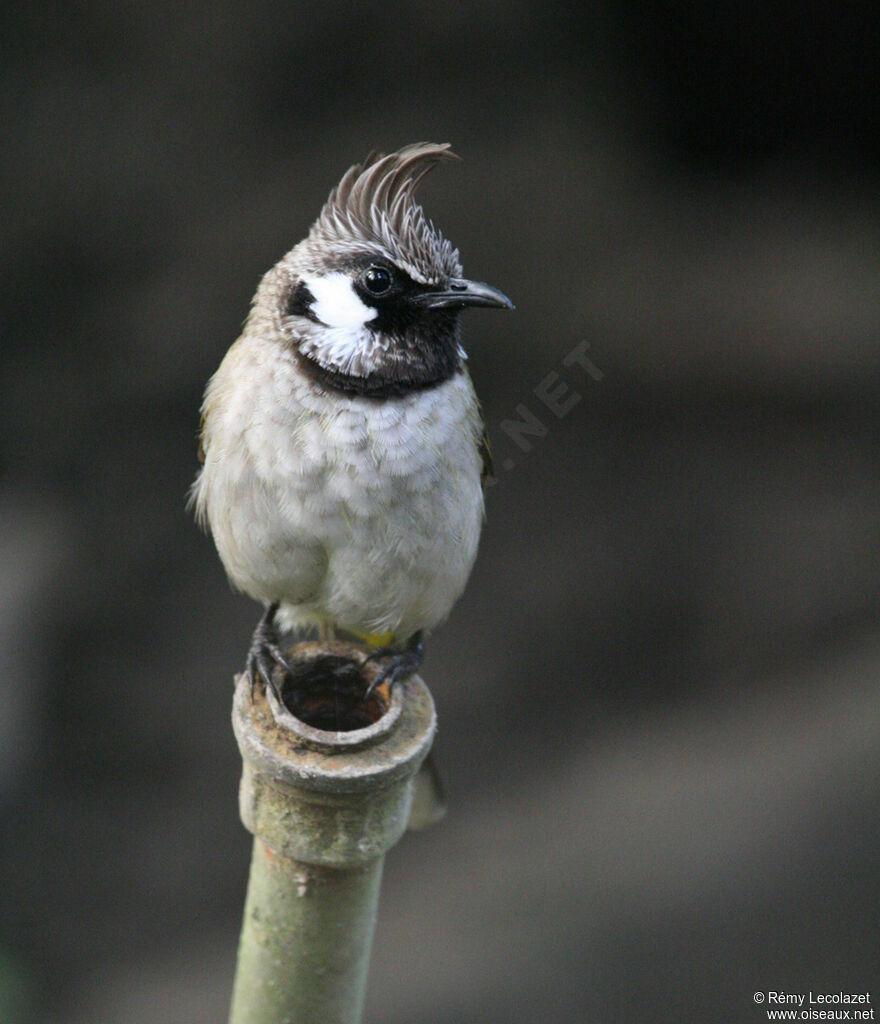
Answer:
(374, 205)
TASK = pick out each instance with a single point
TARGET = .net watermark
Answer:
(556, 395)
(815, 1005)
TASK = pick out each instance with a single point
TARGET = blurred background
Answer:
(658, 700)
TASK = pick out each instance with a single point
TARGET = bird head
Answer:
(370, 300)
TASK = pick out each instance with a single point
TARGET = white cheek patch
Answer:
(337, 303)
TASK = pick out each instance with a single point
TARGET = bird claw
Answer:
(402, 662)
(265, 654)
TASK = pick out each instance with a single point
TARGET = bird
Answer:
(342, 445)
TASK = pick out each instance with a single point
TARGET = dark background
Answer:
(659, 712)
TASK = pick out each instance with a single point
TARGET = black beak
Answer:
(463, 293)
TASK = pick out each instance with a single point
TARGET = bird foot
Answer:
(265, 654)
(400, 662)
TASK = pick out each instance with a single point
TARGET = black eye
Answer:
(378, 279)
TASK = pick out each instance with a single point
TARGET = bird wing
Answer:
(487, 475)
